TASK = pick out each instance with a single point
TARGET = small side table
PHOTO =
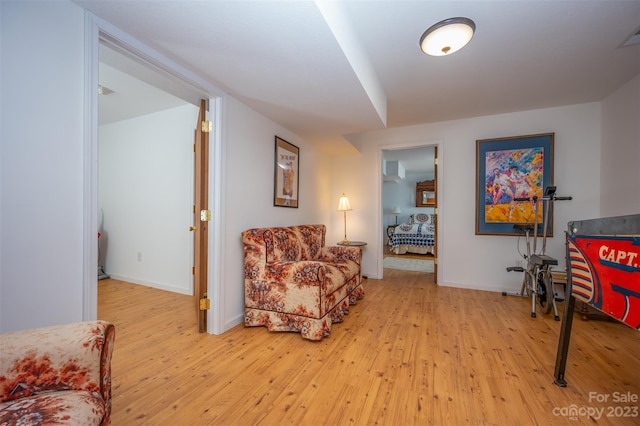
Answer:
(352, 243)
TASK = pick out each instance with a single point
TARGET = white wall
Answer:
(402, 194)
(42, 192)
(41, 174)
(248, 199)
(146, 195)
(620, 151)
(42, 171)
(465, 259)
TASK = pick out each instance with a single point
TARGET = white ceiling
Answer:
(326, 70)
(414, 160)
(129, 92)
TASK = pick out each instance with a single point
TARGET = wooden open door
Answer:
(201, 217)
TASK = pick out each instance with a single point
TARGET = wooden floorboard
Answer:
(409, 353)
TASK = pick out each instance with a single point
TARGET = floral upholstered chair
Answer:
(59, 375)
(294, 283)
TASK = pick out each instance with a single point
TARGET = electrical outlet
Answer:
(139, 257)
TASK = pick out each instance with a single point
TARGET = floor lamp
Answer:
(344, 206)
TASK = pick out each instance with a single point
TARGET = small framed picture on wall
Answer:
(286, 174)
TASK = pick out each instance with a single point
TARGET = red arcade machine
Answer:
(603, 271)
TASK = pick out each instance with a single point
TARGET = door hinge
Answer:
(205, 215)
(206, 126)
(435, 161)
(194, 147)
(193, 270)
(205, 304)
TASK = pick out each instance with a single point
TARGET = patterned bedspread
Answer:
(420, 234)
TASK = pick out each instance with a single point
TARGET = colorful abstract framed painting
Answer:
(508, 168)
(286, 183)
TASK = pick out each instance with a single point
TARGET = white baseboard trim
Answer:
(159, 286)
(479, 287)
(237, 320)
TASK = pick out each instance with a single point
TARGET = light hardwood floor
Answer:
(409, 353)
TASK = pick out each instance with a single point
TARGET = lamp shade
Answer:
(447, 37)
(343, 204)
(396, 210)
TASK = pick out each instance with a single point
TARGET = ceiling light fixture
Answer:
(447, 37)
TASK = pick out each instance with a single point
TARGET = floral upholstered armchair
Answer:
(293, 282)
(59, 375)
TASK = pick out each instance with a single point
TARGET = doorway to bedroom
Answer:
(145, 175)
(409, 209)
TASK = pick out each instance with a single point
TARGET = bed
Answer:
(416, 236)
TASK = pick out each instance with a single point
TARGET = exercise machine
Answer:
(538, 282)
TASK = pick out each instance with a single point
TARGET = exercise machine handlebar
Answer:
(548, 198)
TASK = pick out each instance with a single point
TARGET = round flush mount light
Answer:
(447, 37)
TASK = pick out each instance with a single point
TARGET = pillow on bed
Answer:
(421, 218)
(405, 226)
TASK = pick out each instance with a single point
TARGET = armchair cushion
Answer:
(57, 375)
(80, 408)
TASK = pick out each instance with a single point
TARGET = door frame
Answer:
(97, 30)
(438, 175)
